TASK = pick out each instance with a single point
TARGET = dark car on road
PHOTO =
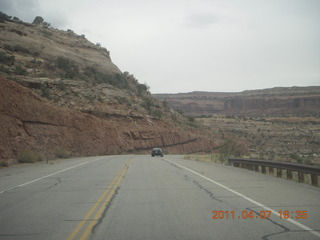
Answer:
(157, 152)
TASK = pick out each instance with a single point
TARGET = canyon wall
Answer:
(274, 101)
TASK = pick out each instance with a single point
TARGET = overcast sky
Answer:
(195, 45)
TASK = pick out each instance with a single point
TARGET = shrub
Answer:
(165, 104)
(147, 104)
(28, 156)
(6, 59)
(123, 100)
(62, 86)
(180, 112)
(17, 48)
(5, 69)
(174, 118)
(4, 17)
(191, 119)
(46, 33)
(20, 70)
(16, 19)
(157, 113)
(233, 147)
(45, 92)
(18, 32)
(301, 159)
(120, 81)
(142, 89)
(4, 163)
(70, 69)
(63, 153)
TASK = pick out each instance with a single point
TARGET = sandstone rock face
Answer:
(34, 46)
(28, 121)
(274, 101)
(269, 105)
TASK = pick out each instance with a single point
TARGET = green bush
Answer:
(20, 70)
(5, 69)
(17, 48)
(115, 79)
(45, 92)
(180, 112)
(4, 17)
(62, 86)
(46, 33)
(142, 89)
(4, 163)
(123, 100)
(233, 147)
(70, 69)
(6, 59)
(157, 113)
(63, 153)
(302, 159)
(28, 156)
(147, 104)
(191, 119)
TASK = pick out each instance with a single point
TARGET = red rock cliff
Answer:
(29, 122)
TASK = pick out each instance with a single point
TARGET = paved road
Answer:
(140, 197)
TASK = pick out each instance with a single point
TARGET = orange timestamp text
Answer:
(264, 214)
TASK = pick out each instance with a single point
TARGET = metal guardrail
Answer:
(267, 165)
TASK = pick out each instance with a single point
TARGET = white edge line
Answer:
(52, 174)
(250, 200)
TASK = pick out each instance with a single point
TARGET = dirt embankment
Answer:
(27, 121)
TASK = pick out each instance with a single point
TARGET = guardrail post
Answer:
(263, 169)
(314, 180)
(271, 170)
(289, 175)
(301, 177)
(279, 172)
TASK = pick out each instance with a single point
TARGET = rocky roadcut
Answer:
(30, 122)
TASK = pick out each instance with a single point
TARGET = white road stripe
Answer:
(52, 174)
(250, 200)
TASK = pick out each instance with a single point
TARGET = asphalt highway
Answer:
(144, 197)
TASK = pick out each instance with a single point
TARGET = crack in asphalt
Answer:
(55, 184)
(285, 229)
(104, 213)
(174, 165)
(266, 237)
(211, 195)
(187, 178)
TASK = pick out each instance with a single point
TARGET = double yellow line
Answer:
(85, 226)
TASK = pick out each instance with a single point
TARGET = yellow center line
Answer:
(111, 190)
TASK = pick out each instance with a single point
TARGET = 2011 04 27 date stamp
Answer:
(263, 214)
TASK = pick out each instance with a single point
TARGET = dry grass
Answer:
(28, 156)
(4, 163)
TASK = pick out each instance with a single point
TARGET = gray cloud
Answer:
(187, 45)
(25, 10)
(201, 20)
